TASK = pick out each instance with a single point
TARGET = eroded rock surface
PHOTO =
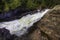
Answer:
(50, 24)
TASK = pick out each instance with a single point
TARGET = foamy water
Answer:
(20, 26)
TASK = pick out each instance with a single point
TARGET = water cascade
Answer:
(20, 26)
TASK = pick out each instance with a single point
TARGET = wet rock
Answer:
(36, 35)
(50, 24)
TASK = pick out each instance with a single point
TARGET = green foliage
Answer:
(23, 3)
(43, 3)
(6, 5)
(50, 3)
(31, 4)
(10, 4)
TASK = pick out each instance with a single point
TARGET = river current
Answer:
(20, 26)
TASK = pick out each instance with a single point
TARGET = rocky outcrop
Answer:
(49, 25)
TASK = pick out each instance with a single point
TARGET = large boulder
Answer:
(50, 24)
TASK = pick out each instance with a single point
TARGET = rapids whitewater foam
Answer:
(20, 26)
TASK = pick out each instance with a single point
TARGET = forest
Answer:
(6, 5)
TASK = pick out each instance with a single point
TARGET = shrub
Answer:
(6, 5)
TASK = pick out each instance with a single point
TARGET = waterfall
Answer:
(20, 26)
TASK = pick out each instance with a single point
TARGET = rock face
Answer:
(49, 25)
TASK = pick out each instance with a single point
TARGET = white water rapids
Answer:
(20, 26)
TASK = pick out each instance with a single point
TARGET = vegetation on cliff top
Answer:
(6, 5)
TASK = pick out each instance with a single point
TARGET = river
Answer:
(20, 26)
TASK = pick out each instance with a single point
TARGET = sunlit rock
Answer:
(50, 24)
